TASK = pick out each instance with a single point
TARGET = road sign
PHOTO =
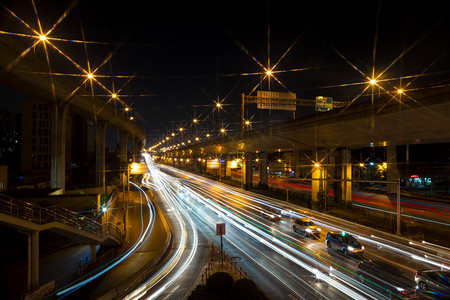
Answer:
(324, 103)
(220, 229)
(276, 100)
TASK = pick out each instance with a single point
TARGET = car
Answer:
(271, 216)
(305, 226)
(433, 281)
(386, 278)
(344, 242)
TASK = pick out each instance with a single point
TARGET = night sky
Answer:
(186, 55)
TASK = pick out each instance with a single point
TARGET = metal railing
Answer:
(42, 215)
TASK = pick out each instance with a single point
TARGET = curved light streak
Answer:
(141, 240)
(169, 192)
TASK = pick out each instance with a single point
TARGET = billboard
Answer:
(276, 100)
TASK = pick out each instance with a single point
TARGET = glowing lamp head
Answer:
(181, 128)
(90, 75)
(195, 120)
(127, 109)
(316, 165)
(372, 81)
(132, 118)
(104, 209)
(113, 96)
(218, 104)
(247, 122)
(222, 130)
(400, 91)
(42, 37)
(269, 72)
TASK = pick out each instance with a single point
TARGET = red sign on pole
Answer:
(220, 229)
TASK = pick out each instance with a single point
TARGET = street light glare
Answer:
(269, 72)
(90, 75)
(400, 91)
(373, 81)
(42, 37)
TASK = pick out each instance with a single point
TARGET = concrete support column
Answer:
(123, 156)
(33, 260)
(247, 171)
(123, 139)
(262, 165)
(391, 169)
(93, 250)
(136, 149)
(346, 173)
(318, 172)
(100, 153)
(58, 161)
(295, 163)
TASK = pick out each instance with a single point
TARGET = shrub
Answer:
(246, 289)
(219, 283)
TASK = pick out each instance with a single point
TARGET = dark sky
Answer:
(186, 55)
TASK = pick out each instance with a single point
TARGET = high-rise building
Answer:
(10, 130)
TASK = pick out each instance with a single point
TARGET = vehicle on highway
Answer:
(344, 242)
(271, 216)
(435, 281)
(305, 226)
(387, 278)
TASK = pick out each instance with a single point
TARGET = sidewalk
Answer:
(130, 271)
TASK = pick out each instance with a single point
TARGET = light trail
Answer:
(277, 245)
(424, 257)
(169, 195)
(144, 235)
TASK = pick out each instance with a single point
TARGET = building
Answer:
(37, 138)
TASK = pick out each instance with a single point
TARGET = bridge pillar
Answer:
(346, 173)
(262, 166)
(247, 171)
(123, 139)
(93, 250)
(100, 153)
(318, 174)
(33, 260)
(391, 169)
(58, 161)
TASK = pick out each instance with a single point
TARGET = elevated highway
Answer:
(23, 70)
(421, 117)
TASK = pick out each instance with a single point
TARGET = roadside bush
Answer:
(219, 283)
(246, 289)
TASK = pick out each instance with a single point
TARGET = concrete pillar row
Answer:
(58, 161)
(100, 153)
